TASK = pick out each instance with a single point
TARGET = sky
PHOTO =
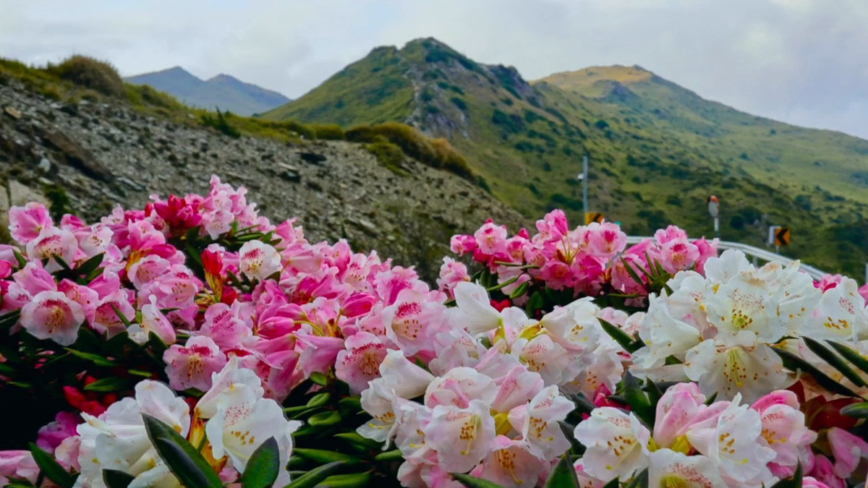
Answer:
(800, 61)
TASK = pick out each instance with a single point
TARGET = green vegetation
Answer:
(59, 202)
(389, 154)
(437, 153)
(220, 124)
(99, 76)
(657, 150)
(329, 132)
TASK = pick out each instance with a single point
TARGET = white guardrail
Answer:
(755, 252)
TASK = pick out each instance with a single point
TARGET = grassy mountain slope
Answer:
(222, 91)
(657, 150)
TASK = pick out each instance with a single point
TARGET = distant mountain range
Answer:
(222, 91)
(657, 150)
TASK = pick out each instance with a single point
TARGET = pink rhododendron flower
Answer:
(53, 242)
(17, 464)
(258, 260)
(452, 272)
(848, 449)
(152, 322)
(784, 428)
(360, 362)
(53, 434)
(51, 315)
(27, 222)
(192, 365)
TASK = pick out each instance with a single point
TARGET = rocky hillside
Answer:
(657, 150)
(106, 153)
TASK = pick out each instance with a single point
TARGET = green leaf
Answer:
(795, 363)
(116, 479)
(794, 482)
(352, 404)
(319, 378)
(473, 481)
(9, 319)
(835, 361)
(615, 483)
(18, 257)
(121, 316)
(521, 290)
(315, 476)
(534, 303)
(183, 460)
(88, 267)
(621, 337)
(394, 455)
(94, 358)
(112, 383)
(319, 400)
(564, 475)
(569, 432)
(355, 480)
(638, 400)
(323, 456)
(263, 467)
(157, 345)
(853, 356)
(504, 284)
(640, 480)
(51, 469)
(654, 394)
(858, 410)
(357, 440)
(633, 273)
(324, 419)
(63, 264)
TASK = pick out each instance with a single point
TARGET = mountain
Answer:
(222, 91)
(657, 150)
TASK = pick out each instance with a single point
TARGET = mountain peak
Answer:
(586, 79)
(223, 91)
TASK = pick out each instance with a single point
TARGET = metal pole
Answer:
(717, 227)
(585, 184)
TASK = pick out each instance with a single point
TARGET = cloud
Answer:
(800, 61)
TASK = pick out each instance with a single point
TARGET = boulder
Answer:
(77, 156)
(312, 158)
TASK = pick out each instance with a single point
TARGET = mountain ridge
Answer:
(657, 149)
(222, 91)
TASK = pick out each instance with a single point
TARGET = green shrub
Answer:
(141, 95)
(458, 102)
(437, 153)
(329, 132)
(221, 124)
(300, 129)
(58, 201)
(389, 154)
(563, 201)
(511, 123)
(99, 76)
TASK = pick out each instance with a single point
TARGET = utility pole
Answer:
(584, 179)
(714, 211)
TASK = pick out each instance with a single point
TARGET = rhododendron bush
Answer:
(194, 343)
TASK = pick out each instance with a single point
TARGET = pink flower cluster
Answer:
(589, 260)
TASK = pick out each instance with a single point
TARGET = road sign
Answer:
(782, 236)
(594, 217)
(713, 206)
